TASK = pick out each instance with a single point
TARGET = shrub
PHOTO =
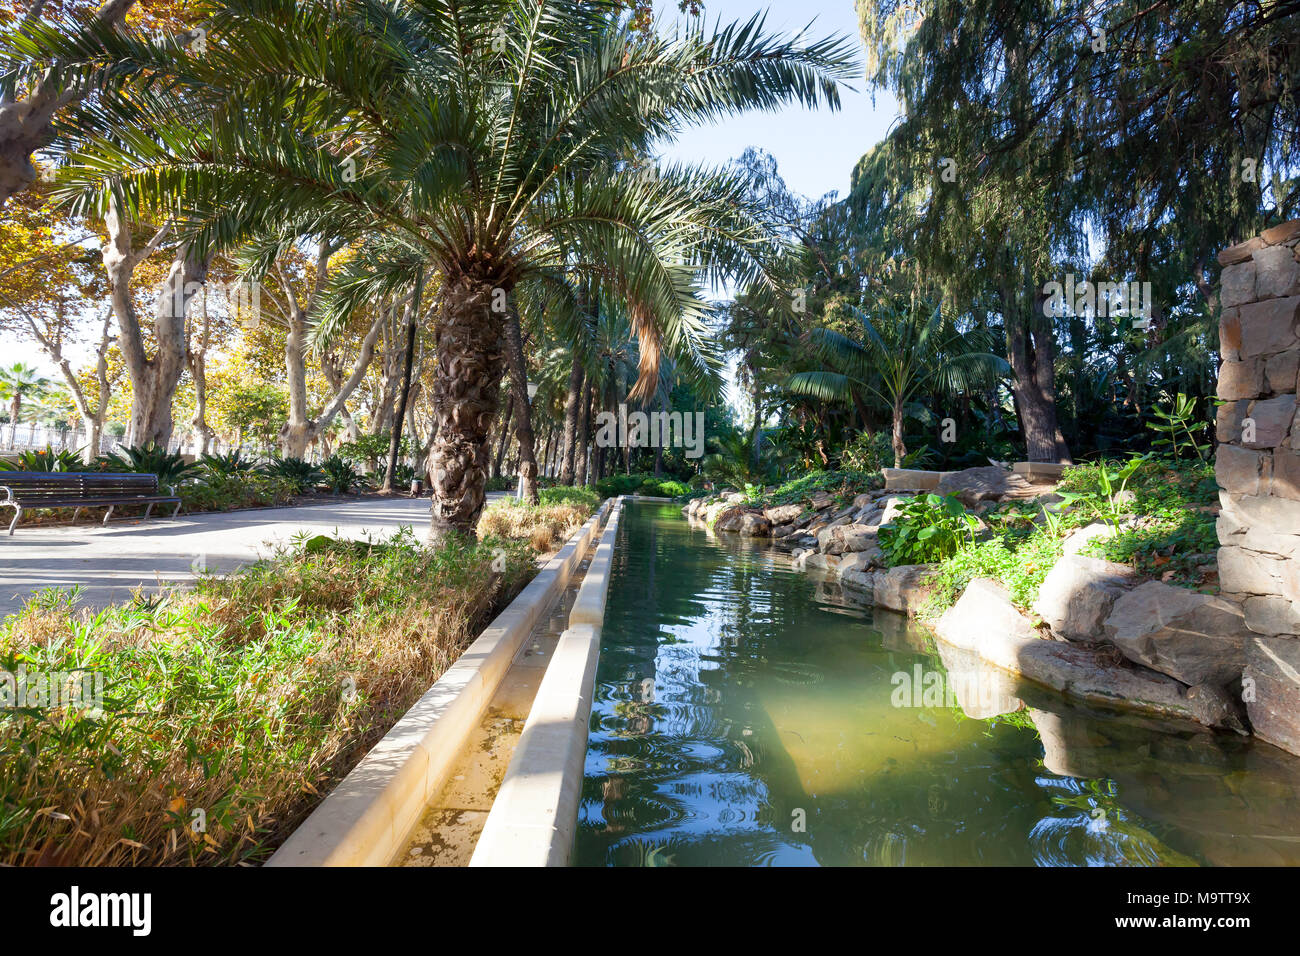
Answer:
(569, 495)
(231, 463)
(45, 460)
(217, 492)
(928, 528)
(340, 477)
(171, 469)
(1019, 564)
(841, 485)
(544, 526)
(249, 698)
(299, 472)
(662, 488)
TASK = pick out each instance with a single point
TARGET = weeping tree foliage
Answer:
(907, 348)
(471, 139)
(1129, 140)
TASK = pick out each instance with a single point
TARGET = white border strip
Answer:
(535, 815)
(366, 819)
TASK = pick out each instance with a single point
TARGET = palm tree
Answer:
(470, 138)
(21, 382)
(907, 347)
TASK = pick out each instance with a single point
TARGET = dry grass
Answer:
(544, 526)
(236, 706)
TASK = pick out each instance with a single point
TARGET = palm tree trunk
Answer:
(582, 447)
(399, 417)
(466, 389)
(508, 413)
(523, 408)
(577, 381)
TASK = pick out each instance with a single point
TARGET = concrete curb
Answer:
(535, 815)
(366, 819)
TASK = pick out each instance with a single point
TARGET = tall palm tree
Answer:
(908, 347)
(20, 382)
(472, 138)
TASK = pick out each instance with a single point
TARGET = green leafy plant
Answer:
(1179, 420)
(928, 528)
(302, 474)
(1107, 499)
(340, 476)
(170, 467)
(231, 463)
(46, 459)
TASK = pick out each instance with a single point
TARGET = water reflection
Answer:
(750, 715)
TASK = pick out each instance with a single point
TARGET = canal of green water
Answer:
(748, 714)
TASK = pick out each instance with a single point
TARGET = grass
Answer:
(546, 525)
(229, 711)
(1172, 538)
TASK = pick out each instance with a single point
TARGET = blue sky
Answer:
(815, 150)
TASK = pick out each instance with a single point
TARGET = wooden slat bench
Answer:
(80, 489)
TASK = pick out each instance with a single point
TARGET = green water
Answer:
(746, 714)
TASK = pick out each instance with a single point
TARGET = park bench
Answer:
(79, 489)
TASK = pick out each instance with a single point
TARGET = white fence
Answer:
(31, 437)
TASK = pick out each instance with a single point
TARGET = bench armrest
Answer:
(9, 492)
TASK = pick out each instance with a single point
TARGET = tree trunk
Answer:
(523, 408)
(153, 379)
(399, 416)
(1031, 353)
(197, 361)
(466, 387)
(508, 413)
(26, 125)
(583, 443)
(577, 379)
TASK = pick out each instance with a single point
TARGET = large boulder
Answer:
(1078, 595)
(985, 621)
(861, 560)
(991, 482)
(848, 538)
(783, 514)
(1270, 687)
(753, 524)
(902, 588)
(889, 507)
(858, 579)
(1197, 638)
(1079, 538)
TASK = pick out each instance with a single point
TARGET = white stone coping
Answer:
(535, 815)
(367, 818)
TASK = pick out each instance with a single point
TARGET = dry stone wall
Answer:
(1258, 469)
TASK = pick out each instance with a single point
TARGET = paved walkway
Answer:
(109, 562)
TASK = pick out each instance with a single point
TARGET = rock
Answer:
(1078, 595)
(1228, 419)
(1268, 326)
(859, 580)
(1271, 614)
(783, 531)
(753, 524)
(1214, 707)
(972, 485)
(1271, 690)
(1076, 539)
(783, 514)
(1277, 274)
(864, 501)
(821, 501)
(1239, 470)
(1239, 380)
(1281, 370)
(1242, 571)
(846, 538)
(1272, 418)
(902, 588)
(1237, 284)
(986, 622)
(1241, 252)
(890, 507)
(910, 479)
(729, 520)
(825, 562)
(1193, 637)
(861, 560)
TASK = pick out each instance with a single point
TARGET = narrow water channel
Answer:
(747, 714)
